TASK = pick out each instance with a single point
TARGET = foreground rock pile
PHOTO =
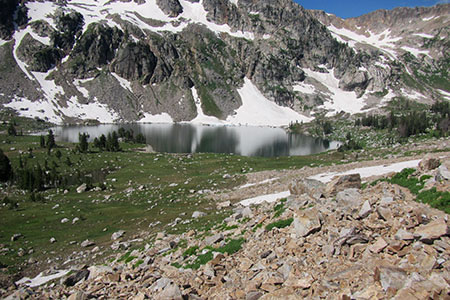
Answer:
(336, 241)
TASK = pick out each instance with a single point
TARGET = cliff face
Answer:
(178, 60)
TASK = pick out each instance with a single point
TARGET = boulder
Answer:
(171, 291)
(352, 181)
(211, 240)
(379, 245)
(311, 187)
(403, 235)
(87, 243)
(391, 277)
(365, 210)
(432, 231)
(82, 274)
(442, 174)
(198, 214)
(82, 188)
(307, 222)
(428, 164)
(117, 235)
(349, 199)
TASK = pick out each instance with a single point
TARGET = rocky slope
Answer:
(334, 241)
(209, 61)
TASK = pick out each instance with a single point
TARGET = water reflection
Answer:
(188, 138)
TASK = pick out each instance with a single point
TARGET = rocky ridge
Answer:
(324, 241)
(154, 60)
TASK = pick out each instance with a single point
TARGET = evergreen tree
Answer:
(50, 140)
(140, 139)
(42, 141)
(12, 130)
(115, 142)
(5, 167)
(102, 141)
(83, 145)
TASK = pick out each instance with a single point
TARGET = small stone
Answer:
(198, 214)
(87, 243)
(366, 209)
(403, 235)
(307, 222)
(117, 235)
(211, 240)
(65, 220)
(78, 295)
(379, 245)
(82, 188)
(82, 274)
(15, 237)
(76, 219)
(52, 240)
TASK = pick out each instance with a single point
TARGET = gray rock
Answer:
(365, 210)
(307, 222)
(170, 7)
(392, 277)
(171, 291)
(87, 243)
(82, 188)
(403, 235)
(16, 236)
(211, 240)
(352, 181)
(311, 187)
(349, 199)
(117, 235)
(443, 173)
(247, 212)
(198, 214)
(78, 295)
(432, 231)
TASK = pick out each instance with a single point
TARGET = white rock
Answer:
(65, 220)
(366, 209)
(117, 235)
(198, 214)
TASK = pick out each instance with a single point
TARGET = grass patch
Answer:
(190, 251)
(256, 227)
(138, 263)
(279, 224)
(279, 208)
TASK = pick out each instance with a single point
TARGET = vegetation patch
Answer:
(279, 224)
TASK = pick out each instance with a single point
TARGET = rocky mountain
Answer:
(214, 61)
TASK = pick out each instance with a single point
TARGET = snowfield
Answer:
(369, 171)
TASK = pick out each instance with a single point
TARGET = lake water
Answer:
(189, 138)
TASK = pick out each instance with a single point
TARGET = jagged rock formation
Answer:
(164, 54)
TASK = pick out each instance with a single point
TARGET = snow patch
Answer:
(92, 111)
(340, 100)
(81, 89)
(430, 18)
(257, 110)
(416, 52)
(265, 198)
(159, 118)
(381, 40)
(445, 94)
(304, 88)
(42, 109)
(415, 95)
(258, 183)
(424, 35)
(369, 171)
(41, 278)
(123, 82)
(49, 87)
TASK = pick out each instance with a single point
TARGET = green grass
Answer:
(437, 199)
(117, 208)
(190, 251)
(279, 224)
(279, 209)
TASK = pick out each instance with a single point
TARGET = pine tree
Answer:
(83, 145)
(42, 141)
(12, 130)
(5, 167)
(50, 140)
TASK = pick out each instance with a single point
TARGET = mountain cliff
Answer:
(214, 61)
